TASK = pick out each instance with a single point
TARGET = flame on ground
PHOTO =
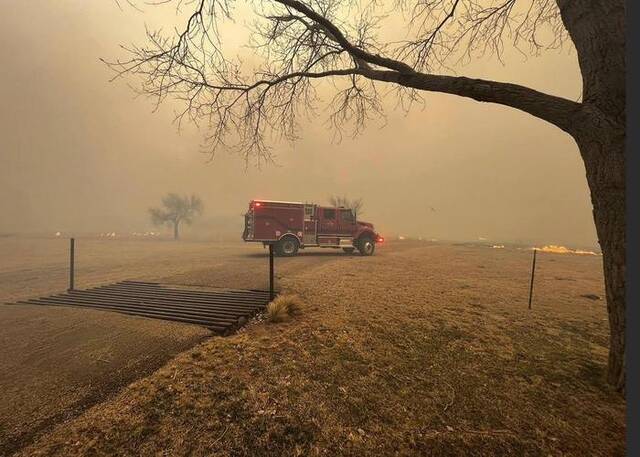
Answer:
(555, 249)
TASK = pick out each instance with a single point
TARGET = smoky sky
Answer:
(81, 154)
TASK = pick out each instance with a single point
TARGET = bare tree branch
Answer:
(299, 44)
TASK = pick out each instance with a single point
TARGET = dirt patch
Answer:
(390, 356)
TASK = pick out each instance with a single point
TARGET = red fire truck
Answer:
(290, 226)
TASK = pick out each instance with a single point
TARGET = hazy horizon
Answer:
(80, 154)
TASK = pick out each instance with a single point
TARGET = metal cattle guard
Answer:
(222, 310)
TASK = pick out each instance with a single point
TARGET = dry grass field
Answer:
(423, 349)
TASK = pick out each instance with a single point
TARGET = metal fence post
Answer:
(71, 263)
(533, 273)
(271, 294)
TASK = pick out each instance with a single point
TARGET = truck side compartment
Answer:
(272, 221)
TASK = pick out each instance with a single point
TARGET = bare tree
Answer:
(355, 204)
(175, 210)
(300, 43)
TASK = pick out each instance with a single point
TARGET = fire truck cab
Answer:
(290, 226)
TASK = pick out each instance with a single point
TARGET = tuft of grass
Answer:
(283, 307)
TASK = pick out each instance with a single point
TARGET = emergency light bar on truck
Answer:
(290, 226)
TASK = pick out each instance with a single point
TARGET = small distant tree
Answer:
(355, 204)
(175, 210)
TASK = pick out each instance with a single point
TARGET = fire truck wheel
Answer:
(287, 247)
(366, 246)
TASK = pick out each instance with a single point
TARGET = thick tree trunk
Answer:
(603, 154)
(597, 29)
(176, 235)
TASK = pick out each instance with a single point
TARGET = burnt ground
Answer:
(420, 350)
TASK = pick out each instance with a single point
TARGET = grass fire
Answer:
(314, 228)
